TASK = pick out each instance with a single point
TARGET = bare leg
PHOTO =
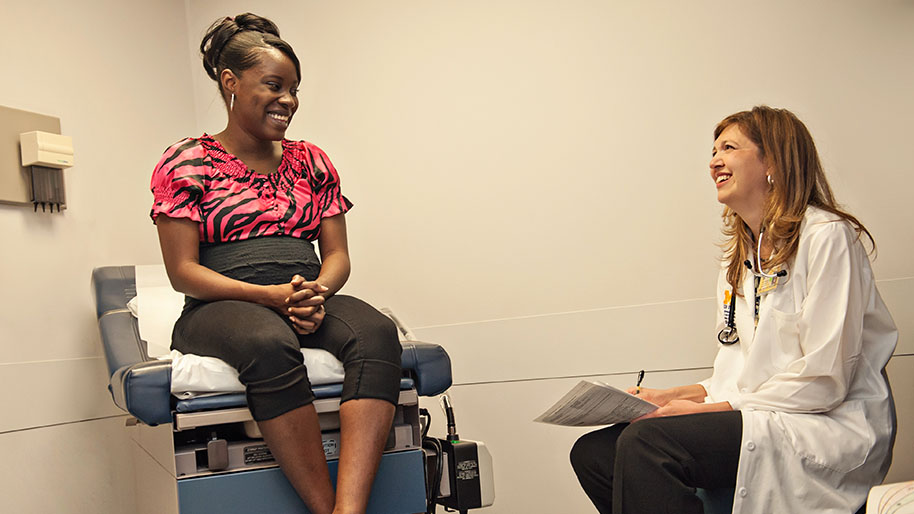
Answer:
(294, 439)
(364, 426)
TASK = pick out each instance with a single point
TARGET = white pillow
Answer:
(193, 375)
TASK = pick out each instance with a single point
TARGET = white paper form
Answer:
(891, 499)
(595, 403)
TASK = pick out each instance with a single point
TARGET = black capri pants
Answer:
(261, 344)
(654, 465)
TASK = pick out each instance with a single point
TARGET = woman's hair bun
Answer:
(248, 21)
(221, 33)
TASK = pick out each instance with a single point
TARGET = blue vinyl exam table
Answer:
(204, 455)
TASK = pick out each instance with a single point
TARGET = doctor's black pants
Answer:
(654, 465)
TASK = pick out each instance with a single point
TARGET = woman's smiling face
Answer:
(738, 171)
(266, 96)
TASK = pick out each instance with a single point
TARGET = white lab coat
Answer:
(818, 418)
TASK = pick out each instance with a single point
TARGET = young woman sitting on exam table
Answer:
(797, 415)
(236, 213)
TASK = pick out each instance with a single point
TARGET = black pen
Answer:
(640, 378)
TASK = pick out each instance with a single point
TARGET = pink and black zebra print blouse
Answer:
(198, 179)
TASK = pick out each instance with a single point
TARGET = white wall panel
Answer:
(73, 468)
(671, 335)
(51, 392)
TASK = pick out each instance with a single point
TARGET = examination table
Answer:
(203, 454)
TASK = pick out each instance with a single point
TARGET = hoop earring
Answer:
(770, 181)
(232, 108)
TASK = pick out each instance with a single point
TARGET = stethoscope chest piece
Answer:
(728, 335)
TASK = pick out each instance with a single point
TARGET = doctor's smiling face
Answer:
(740, 173)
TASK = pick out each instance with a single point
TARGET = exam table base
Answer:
(399, 486)
(398, 489)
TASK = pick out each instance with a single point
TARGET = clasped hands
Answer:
(304, 305)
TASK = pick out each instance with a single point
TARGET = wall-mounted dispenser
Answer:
(47, 155)
(32, 156)
(46, 149)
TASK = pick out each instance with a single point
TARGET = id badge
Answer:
(769, 283)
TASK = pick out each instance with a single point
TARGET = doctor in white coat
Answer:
(797, 415)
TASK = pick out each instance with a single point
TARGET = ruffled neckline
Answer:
(229, 164)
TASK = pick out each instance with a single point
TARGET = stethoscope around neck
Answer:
(728, 335)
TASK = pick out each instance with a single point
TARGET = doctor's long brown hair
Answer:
(786, 146)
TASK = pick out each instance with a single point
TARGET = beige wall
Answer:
(531, 184)
(531, 190)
